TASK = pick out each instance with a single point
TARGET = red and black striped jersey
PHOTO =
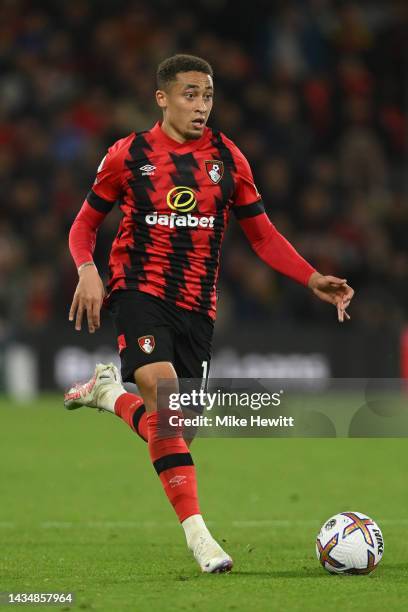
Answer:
(176, 199)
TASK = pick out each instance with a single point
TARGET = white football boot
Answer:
(207, 552)
(210, 556)
(101, 391)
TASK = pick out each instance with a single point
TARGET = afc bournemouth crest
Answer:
(147, 344)
(215, 170)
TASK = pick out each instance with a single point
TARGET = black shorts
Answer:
(150, 329)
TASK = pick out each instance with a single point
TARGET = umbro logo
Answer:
(176, 481)
(147, 170)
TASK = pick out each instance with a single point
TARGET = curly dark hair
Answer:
(169, 68)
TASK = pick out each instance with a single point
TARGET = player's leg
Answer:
(192, 362)
(174, 465)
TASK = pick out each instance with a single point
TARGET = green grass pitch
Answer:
(82, 510)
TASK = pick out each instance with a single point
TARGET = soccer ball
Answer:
(350, 543)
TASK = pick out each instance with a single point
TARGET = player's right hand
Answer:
(88, 297)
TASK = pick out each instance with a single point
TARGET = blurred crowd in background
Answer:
(313, 92)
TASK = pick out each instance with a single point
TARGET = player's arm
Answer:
(276, 251)
(89, 293)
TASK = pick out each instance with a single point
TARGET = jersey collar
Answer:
(173, 145)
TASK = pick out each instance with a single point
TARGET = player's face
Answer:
(186, 105)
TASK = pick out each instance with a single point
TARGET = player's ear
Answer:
(161, 98)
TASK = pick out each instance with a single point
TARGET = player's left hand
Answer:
(333, 290)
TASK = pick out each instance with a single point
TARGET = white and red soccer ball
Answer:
(350, 543)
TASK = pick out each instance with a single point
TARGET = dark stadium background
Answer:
(313, 92)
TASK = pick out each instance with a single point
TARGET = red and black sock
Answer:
(131, 409)
(173, 463)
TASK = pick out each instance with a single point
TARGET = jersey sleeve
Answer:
(82, 235)
(275, 250)
(247, 199)
(107, 188)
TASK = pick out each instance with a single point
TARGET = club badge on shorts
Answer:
(215, 170)
(147, 344)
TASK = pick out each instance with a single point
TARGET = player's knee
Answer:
(147, 379)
